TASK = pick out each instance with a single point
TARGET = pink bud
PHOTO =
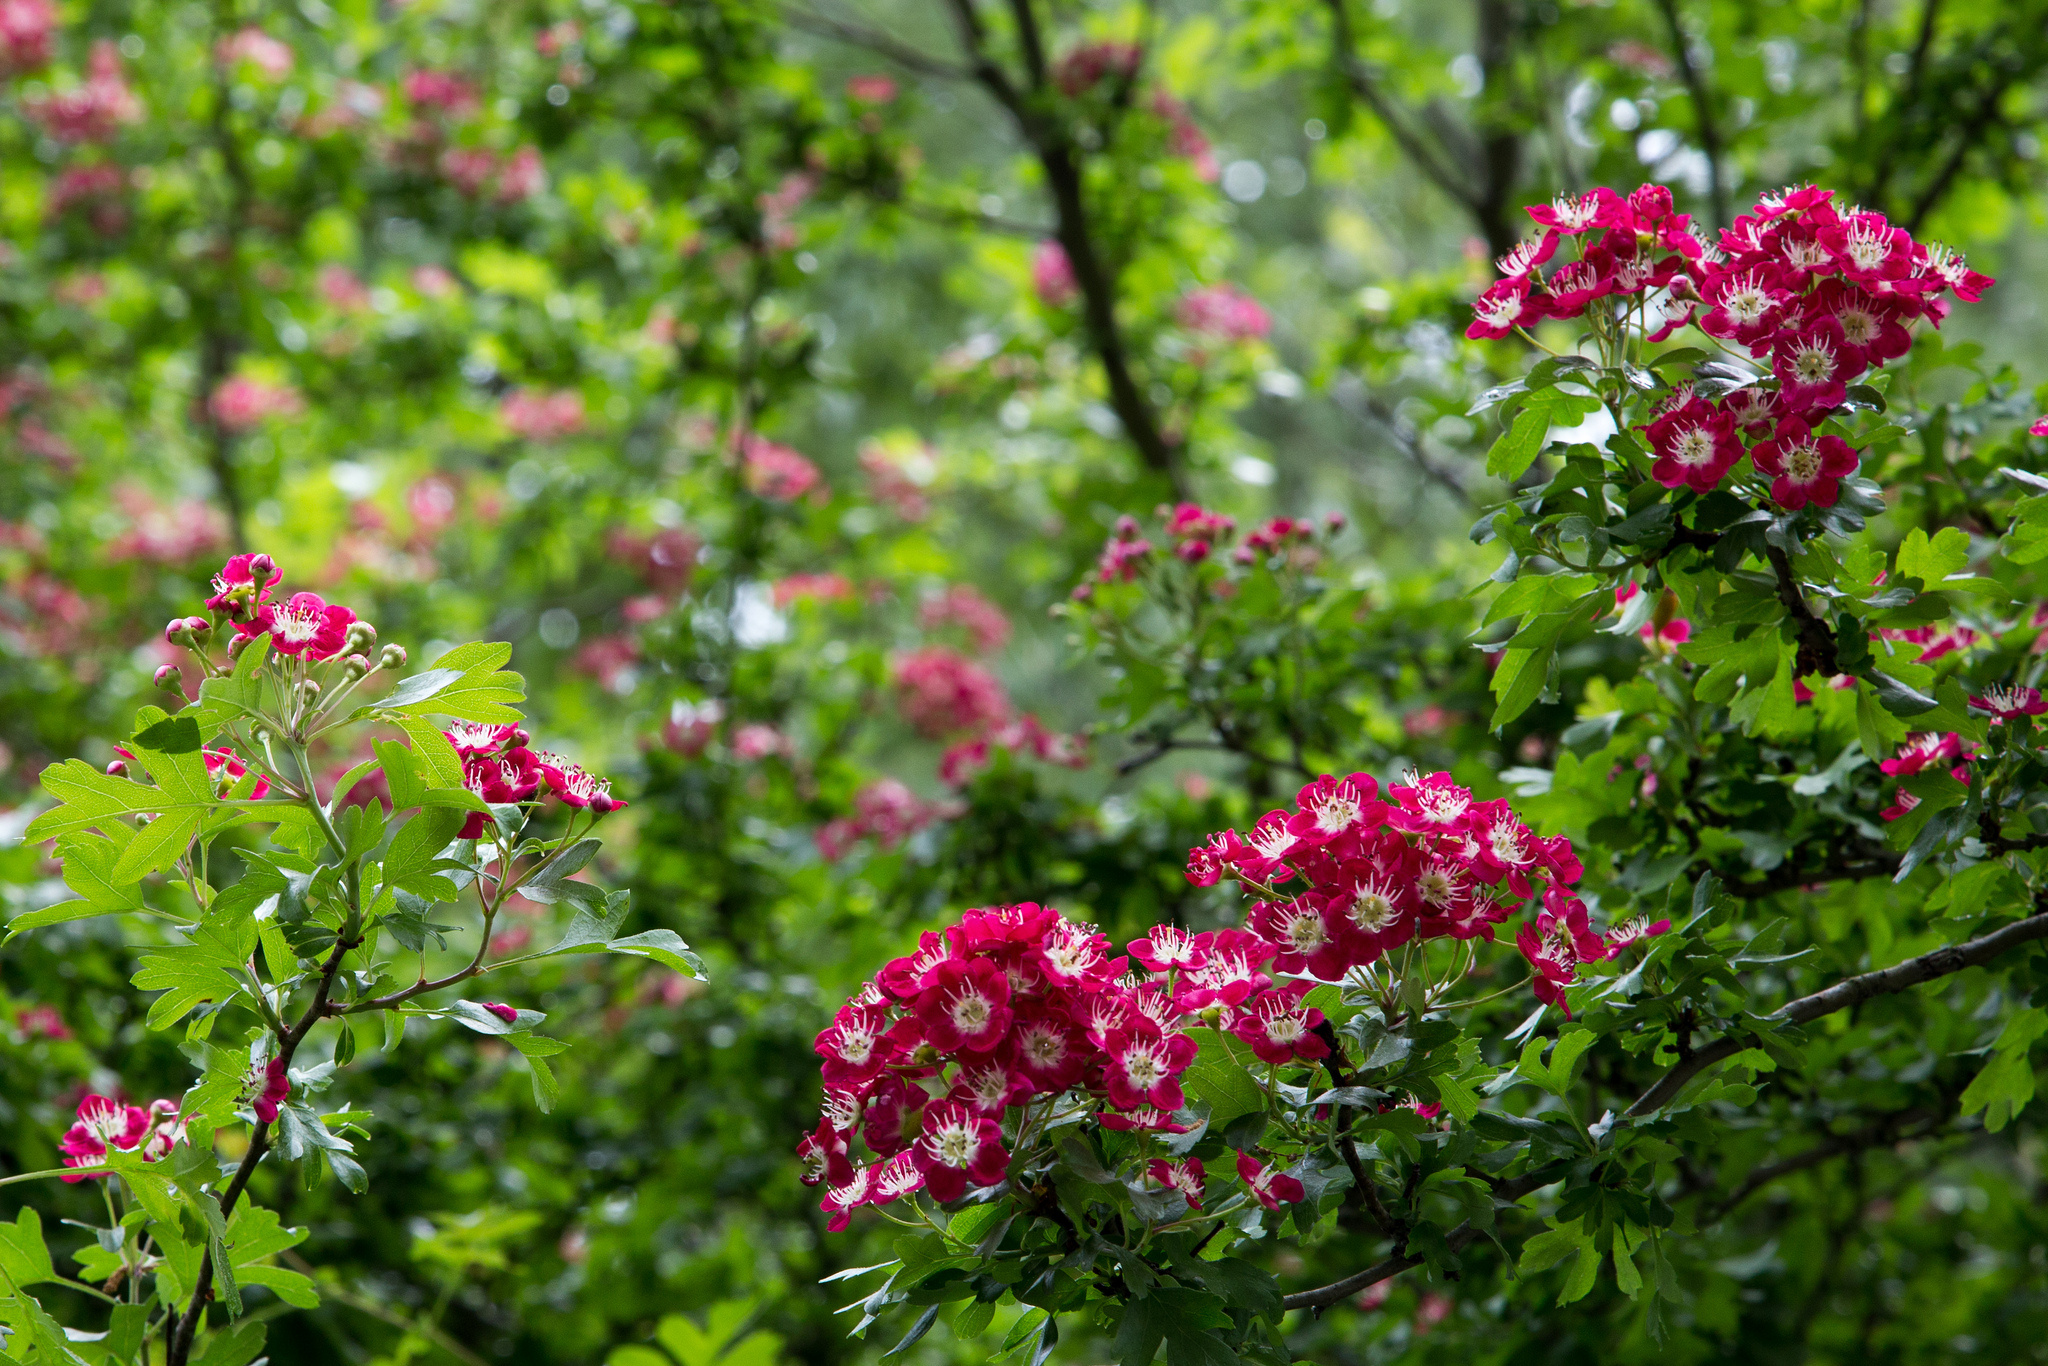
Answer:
(170, 679)
(117, 769)
(263, 570)
(177, 631)
(501, 1010)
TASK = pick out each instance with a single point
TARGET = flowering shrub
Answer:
(278, 947)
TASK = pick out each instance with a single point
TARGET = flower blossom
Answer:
(940, 693)
(1052, 275)
(105, 1125)
(1224, 313)
(542, 414)
(776, 472)
(241, 402)
(95, 111)
(25, 29)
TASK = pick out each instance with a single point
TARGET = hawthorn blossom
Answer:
(242, 402)
(1143, 1068)
(242, 587)
(1052, 275)
(25, 29)
(776, 472)
(1184, 1175)
(261, 51)
(305, 625)
(1695, 445)
(103, 1124)
(2006, 702)
(1225, 313)
(1270, 1187)
(94, 111)
(275, 1089)
(543, 414)
(1280, 1026)
(871, 89)
(959, 1146)
(940, 693)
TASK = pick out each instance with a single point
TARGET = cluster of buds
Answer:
(1197, 534)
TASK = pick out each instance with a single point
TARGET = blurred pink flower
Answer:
(431, 504)
(893, 478)
(691, 725)
(542, 414)
(176, 535)
(241, 402)
(1084, 67)
(521, 176)
(443, 92)
(943, 693)
(776, 472)
(607, 658)
(812, 588)
(1052, 275)
(778, 208)
(755, 741)
(95, 111)
(552, 41)
(25, 28)
(1224, 312)
(434, 282)
(101, 190)
(252, 45)
(664, 561)
(340, 287)
(960, 605)
(871, 89)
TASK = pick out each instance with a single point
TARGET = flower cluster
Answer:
(885, 811)
(1224, 313)
(941, 692)
(1012, 1009)
(1347, 876)
(542, 414)
(1196, 534)
(1025, 735)
(242, 403)
(94, 111)
(1817, 293)
(776, 472)
(105, 1124)
(498, 767)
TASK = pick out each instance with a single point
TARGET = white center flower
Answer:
(971, 1011)
(1814, 362)
(1802, 462)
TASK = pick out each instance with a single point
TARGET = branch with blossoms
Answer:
(336, 895)
(1111, 1130)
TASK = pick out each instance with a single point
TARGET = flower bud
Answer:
(170, 679)
(361, 636)
(262, 569)
(354, 667)
(393, 657)
(178, 631)
(117, 769)
(237, 644)
(308, 689)
(1212, 1016)
(200, 627)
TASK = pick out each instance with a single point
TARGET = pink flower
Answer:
(101, 190)
(552, 41)
(1812, 365)
(942, 693)
(959, 1146)
(1085, 66)
(25, 28)
(1143, 1067)
(95, 111)
(1922, 751)
(1806, 468)
(243, 586)
(542, 414)
(277, 1088)
(871, 89)
(1225, 313)
(1280, 1027)
(691, 725)
(42, 1022)
(1504, 307)
(226, 771)
(442, 92)
(257, 48)
(241, 402)
(967, 1007)
(898, 479)
(103, 1123)
(960, 605)
(575, 785)
(755, 741)
(306, 625)
(1185, 1176)
(339, 286)
(2039, 428)
(474, 739)
(521, 176)
(1052, 275)
(776, 472)
(1668, 637)
(1269, 1187)
(434, 282)
(1695, 445)
(2004, 703)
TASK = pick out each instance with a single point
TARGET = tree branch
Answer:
(1850, 991)
(1702, 111)
(879, 43)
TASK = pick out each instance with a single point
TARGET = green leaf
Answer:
(1932, 561)
(196, 973)
(2006, 1083)
(89, 861)
(23, 1257)
(91, 799)
(480, 691)
(1218, 1078)
(157, 845)
(1517, 448)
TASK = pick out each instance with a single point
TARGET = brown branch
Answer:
(1884, 1131)
(1702, 111)
(1849, 992)
(178, 1346)
(1816, 641)
(1352, 396)
(1968, 139)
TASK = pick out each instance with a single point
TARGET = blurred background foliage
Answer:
(768, 375)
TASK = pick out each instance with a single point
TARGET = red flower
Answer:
(1813, 366)
(1185, 1176)
(277, 1088)
(967, 1006)
(1805, 468)
(2004, 703)
(243, 586)
(1280, 1026)
(1695, 444)
(103, 1123)
(1144, 1067)
(1269, 1187)
(306, 625)
(1504, 307)
(959, 1146)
